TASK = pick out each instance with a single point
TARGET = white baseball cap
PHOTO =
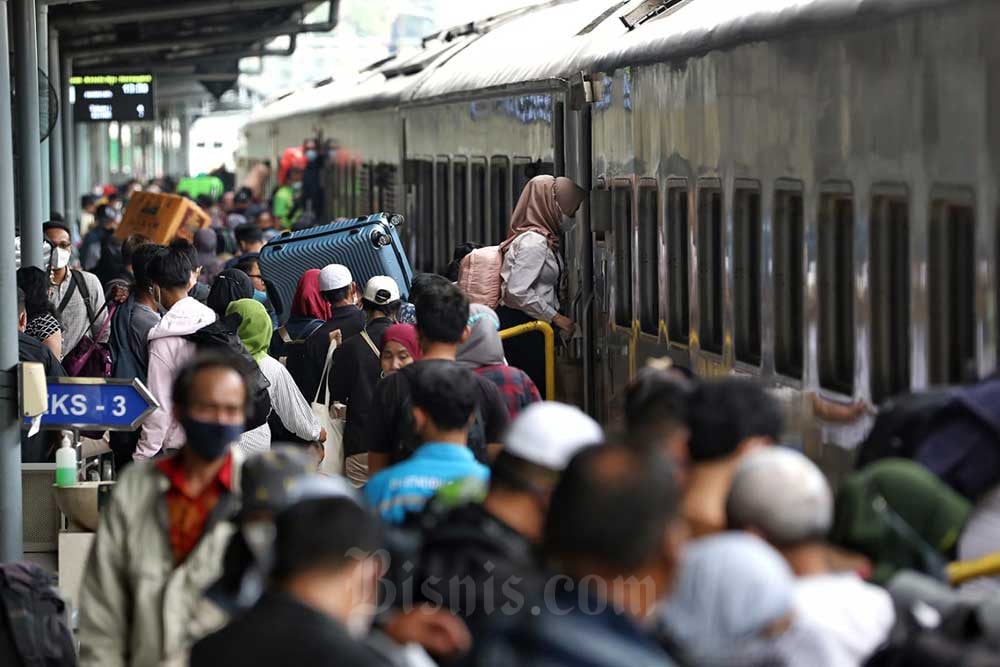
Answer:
(381, 290)
(334, 276)
(549, 434)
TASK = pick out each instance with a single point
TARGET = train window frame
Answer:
(748, 249)
(711, 258)
(601, 210)
(835, 271)
(788, 225)
(443, 236)
(500, 211)
(460, 198)
(623, 226)
(888, 323)
(520, 166)
(647, 257)
(951, 273)
(479, 209)
(677, 232)
(424, 181)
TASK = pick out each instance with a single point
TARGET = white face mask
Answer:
(60, 260)
(567, 224)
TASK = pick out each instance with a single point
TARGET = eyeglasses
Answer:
(255, 275)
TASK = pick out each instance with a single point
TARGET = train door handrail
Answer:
(550, 350)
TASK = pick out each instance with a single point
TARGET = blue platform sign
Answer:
(96, 404)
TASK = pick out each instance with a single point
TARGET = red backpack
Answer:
(479, 275)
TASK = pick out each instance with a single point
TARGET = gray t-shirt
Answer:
(74, 317)
(144, 318)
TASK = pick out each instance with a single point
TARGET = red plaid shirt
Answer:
(515, 385)
(187, 513)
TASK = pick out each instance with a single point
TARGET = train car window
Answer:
(366, 196)
(835, 278)
(746, 271)
(622, 221)
(788, 239)
(547, 168)
(710, 269)
(951, 281)
(479, 232)
(524, 171)
(384, 188)
(889, 281)
(600, 210)
(425, 210)
(460, 181)
(649, 257)
(678, 324)
(443, 231)
(500, 208)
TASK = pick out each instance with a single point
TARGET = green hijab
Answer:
(255, 329)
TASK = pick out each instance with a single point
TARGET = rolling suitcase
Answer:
(368, 246)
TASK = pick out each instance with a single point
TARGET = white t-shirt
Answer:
(856, 615)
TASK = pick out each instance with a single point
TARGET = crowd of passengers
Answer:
(456, 518)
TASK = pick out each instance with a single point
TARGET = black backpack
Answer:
(221, 336)
(902, 424)
(34, 629)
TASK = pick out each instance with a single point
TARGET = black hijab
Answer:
(230, 285)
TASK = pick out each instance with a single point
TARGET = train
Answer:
(803, 192)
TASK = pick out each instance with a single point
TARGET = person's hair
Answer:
(105, 213)
(421, 282)
(204, 201)
(656, 404)
(170, 269)
(445, 391)
(389, 309)
(56, 224)
(34, 282)
(336, 295)
(87, 200)
(514, 474)
(131, 244)
(457, 255)
(781, 493)
(217, 360)
(724, 413)
(442, 313)
(243, 196)
(248, 232)
(247, 262)
(322, 534)
(611, 508)
(141, 260)
(186, 247)
(20, 302)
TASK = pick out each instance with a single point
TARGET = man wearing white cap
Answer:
(356, 369)
(493, 543)
(336, 286)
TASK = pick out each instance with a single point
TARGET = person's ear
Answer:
(419, 419)
(22, 320)
(465, 334)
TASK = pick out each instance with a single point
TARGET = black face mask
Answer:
(210, 440)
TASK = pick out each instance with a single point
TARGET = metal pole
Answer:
(28, 133)
(10, 434)
(57, 197)
(42, 36)
(69, 145)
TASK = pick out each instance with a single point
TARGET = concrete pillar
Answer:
(72, 205)
(82, 151)
(11, 545)
(30, 216)
(57, 196)
(185, 157)
(42, 37)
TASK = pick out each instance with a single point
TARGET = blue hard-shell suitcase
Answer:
(368, 246)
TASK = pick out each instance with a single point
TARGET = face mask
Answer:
(311, 155)
(210, 440)
(259, 296)
(567, 224)
(60, 259)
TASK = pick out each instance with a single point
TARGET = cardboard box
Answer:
(162, 218)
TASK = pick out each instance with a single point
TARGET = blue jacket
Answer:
(407, 486)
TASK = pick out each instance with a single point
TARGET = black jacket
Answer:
(280, 630)
(37, 449)
(356, 371)
(307, 369)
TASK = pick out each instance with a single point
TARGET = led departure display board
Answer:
(98, 98)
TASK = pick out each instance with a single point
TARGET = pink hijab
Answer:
(541, 206)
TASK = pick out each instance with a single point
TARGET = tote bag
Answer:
(333, 448)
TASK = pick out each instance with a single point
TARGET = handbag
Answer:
(89, 358)
(333, 448)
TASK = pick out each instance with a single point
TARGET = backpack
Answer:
(479, 275)
(902, 423)
(34, 628)
(221, 336)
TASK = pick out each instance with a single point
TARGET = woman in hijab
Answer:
(399, 348)
(733, 606)
(287, 401)
(532, 268)
(230, 285)
(205, 242)
(308, 313)
(482, 352)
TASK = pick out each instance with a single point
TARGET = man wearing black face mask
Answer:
(161, 539)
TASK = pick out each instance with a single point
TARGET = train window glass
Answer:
(499, 201)
(835, 279)
(746, 272)
(547, 168)
(678, 324)
(622, 221)
(710, 269)
(889, 281)
(479, 231)
(384, 188)
(951, 281)
(366, 193)
(524, 171)
(442, 227)
(788, 238)
(600, 210)
(425, 211)
(649, 258)
(460, 181)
